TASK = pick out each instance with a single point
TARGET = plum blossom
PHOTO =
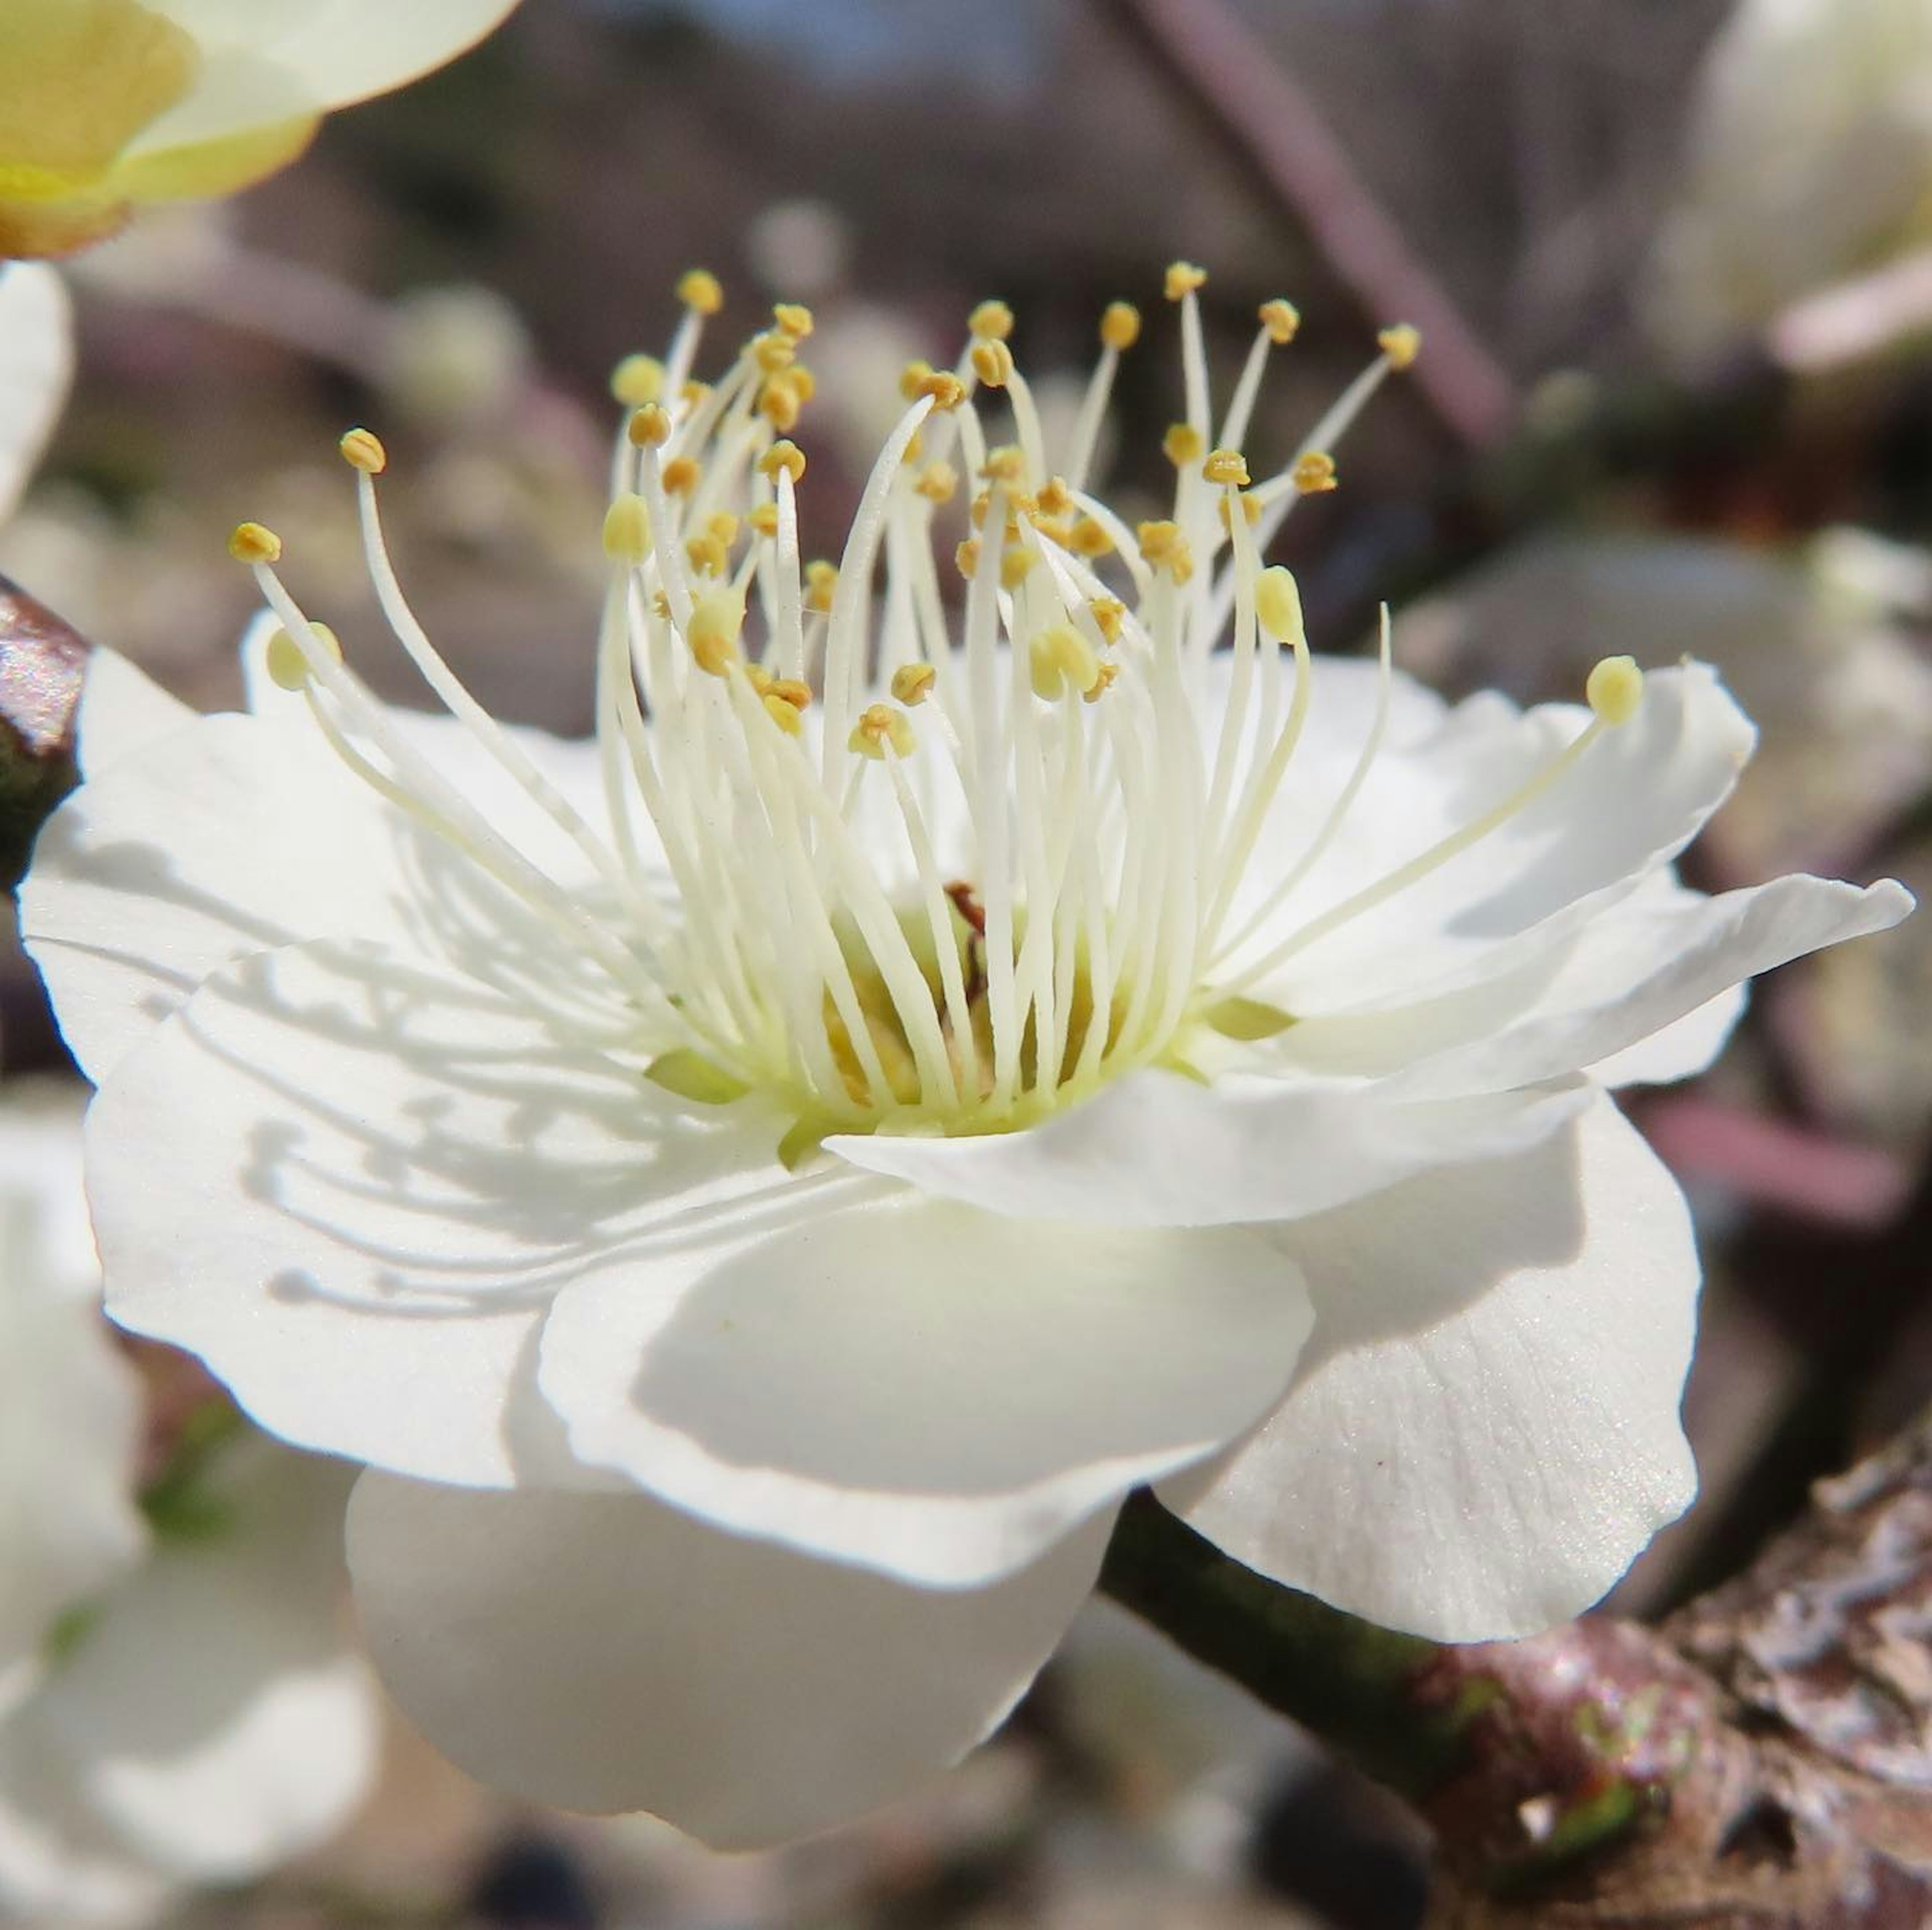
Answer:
(178, 1702)
(979, 1026)
(108, 105)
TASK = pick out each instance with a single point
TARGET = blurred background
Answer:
(1673, 262)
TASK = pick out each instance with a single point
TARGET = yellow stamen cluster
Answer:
(1183, 445)
(912, 682)
(637, 380)
(254, 543)
(794, 318)
(1281, 320)
(1226, 467)
(649, 426)
(1165, 547)
(1402, 344)
(699, 289)
(682, 474)
(1181, 279)
(782, 455)
(1314, 473)
(937, 481)
(1120, 326)
(880, 727)
(717, 618)
(1062, 660)
(993, 364)
(627, 529)
(362, 450)
(991, 322)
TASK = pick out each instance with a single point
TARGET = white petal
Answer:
(1637, 797)
(264, 61)
(239, 833)
(352, 1186)
(1483, 1430)
(1156, 1149)
(214, 1715)
(69, 1406)
(915, 1386)
(122, 711)
(1631, 976)
(36, 365)
(60, 1863)
(605, 1652)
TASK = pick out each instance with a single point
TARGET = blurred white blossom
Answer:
(759, 1187)
(108, 104)
(36, 366)
(178, 1701)
(1810, 159)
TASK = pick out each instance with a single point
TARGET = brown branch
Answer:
(1762, 1762)
(41, 659)
(1258, 111)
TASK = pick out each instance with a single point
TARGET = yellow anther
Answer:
(779, 405)
(1282, 321)
(1251, 512)
(723, 525)
(708, 556)
(716, 618)
(1165, 547)
(253, 542)
(1615, 689)
(1120, 326)
(1226, 466)
(1103, 681)
(650, 426)
(794, 318)
(913, 450)
(637, 380)
(1005, 463)
(1182, 445)
(1015, 561)
(1055, 529)
(821, 580)
(946, 389)
(991, 322)
(784, 715)
(1402, 344)
(1110, 613)
(627, 529)
(786, 456)
(966, 558)
(760, 679)
(691, 393)
(764, 519)
(1061, 660)
(1314, 473)
(1183, 278)
(912, 379)
(661, 606)
(937, 481)
(911, 681)
(771, 351)
(1278, 603)
(287, 667)
(794, 691)
(362, 449)
(799, 380)
(680, 474)
(993, 364)
(1089, 538)
(879, 726)
(700, 290)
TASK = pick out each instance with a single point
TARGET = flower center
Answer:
(950, 847)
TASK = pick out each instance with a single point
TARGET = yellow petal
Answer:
(83, 78)
(213, 167)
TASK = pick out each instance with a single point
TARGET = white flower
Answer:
(1809, 160)
(36, 365)
(758, 1187)
(181, 1708)
(108, 104)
